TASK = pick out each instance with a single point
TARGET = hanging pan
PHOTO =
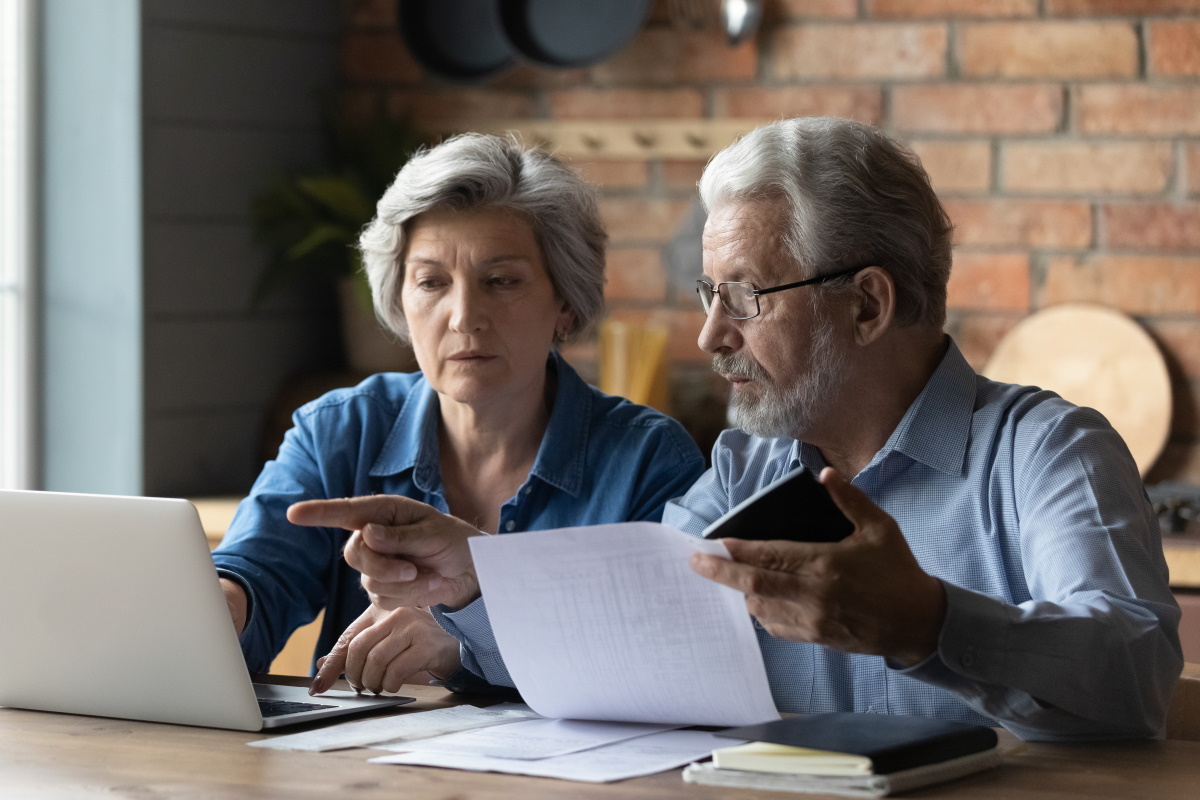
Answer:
(571, 33)
(459, 40)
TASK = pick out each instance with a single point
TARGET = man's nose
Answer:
(719, 333)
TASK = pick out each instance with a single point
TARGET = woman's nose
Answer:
(467, 314)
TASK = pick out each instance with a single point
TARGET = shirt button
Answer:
(967, 659)
(528, 489)
(508, 526)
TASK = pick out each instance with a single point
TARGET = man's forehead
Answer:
(744, 239)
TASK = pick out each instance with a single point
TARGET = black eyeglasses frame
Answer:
(755, 292)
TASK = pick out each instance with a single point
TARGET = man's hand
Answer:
(409, 553)
(383, 650)
(865, 594)
(235, 598)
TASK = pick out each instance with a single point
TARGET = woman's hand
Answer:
(383, 650)
(409, 553)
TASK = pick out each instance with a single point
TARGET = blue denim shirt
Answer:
(1030, 510)
(602, 459)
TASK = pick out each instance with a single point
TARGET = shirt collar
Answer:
(937, 426)
(412, 442)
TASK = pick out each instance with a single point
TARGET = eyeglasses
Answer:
(740, 298)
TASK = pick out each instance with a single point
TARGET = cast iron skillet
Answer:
(460, 40)
(571, 33)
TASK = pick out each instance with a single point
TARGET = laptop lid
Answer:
(110, 606)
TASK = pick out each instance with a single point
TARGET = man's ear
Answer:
(873, 304)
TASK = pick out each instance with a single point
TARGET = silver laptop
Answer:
(110, 606)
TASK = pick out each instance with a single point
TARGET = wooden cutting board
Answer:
(1094, 356)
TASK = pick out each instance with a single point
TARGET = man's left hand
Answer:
(864, 594)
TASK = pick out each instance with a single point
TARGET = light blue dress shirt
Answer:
(602, 459)
(1030, 510)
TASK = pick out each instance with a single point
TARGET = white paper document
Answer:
(608, 622)
(534, 738)
(395, 729)
(629, 759)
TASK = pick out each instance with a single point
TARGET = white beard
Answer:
(788, 411)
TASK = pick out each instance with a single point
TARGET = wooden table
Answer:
(62, 756)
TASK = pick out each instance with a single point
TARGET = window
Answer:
(17, 201)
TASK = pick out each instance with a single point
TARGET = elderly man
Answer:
(1005, 564)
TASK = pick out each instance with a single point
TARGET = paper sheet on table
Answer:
(614, 762)
(534, 738)
(402, 727)
(609, 622)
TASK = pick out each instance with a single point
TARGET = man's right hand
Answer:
(409, 553)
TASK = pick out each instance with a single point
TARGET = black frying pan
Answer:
(571, 33)
(460, 40)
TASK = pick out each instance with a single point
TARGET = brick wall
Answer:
(1062, 135)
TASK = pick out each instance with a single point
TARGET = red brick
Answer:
(989, 281)
(760, 102)
(614, 104)
(1021, 108)
(1180, 461)
(1180, 339)
(371, 57)
(612, 173)
(635, 273)
(371, 13)
(793, 9)
(1152, 226)
(977, 333)
(1051, 49)
(913, 9)
(1134, 284)
(634, 219)
(671, 57)
(1033, 223)
(956, 166)
(1097, 8)
(682, 175)
(1070, 167)
(1134, 108)
(859, 50)
(527, 76)
(1174, 48)
(460, 104)
(1193, 168)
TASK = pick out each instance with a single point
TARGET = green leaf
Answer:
(342, 197)
(320, 235)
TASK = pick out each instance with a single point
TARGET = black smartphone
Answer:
(795, 508)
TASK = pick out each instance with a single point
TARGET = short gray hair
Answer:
(474, 171)
(856, 197)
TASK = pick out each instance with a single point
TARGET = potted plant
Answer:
(310, 222)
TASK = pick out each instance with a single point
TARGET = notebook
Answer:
(110, 606)
(868, 743)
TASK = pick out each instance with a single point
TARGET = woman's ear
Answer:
(873, 304)
(564, 322)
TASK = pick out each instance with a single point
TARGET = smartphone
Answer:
(795, 508)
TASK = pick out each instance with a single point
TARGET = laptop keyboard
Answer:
(277, 708)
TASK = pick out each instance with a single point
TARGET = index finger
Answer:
(355, 513)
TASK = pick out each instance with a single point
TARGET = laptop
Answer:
(110, 606)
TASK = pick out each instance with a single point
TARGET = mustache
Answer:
(728, 363)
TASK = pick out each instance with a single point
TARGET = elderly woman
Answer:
(485, 256)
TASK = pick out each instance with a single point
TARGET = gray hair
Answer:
(856, 197)
(474, 171)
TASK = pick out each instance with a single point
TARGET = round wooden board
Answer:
(1097, 357)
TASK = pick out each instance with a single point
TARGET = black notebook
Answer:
(892, 742)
